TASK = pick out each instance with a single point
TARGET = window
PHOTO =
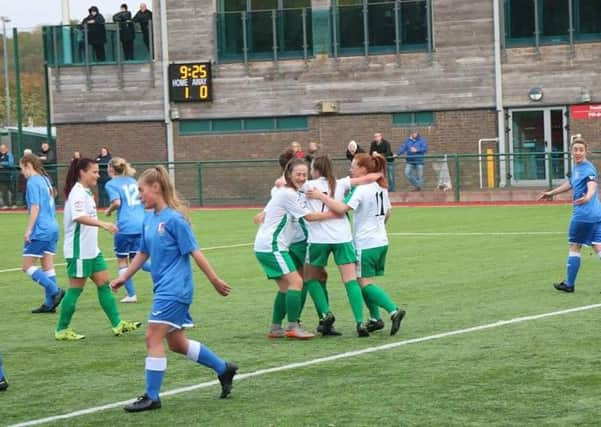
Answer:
(420, 118)
(377, 22)
(259, 124)
(553, 23)
(249, 25)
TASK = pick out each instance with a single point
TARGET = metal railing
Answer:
(248, 182)
(85, 45)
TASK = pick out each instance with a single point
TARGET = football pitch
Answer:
(486, 340)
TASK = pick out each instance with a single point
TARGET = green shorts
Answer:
(298, 253)
(276, 264)
(78, 268)
(318, 253)
(371, 261)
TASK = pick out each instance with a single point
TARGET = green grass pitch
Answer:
(450, 268)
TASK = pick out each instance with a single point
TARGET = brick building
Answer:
(336, 70)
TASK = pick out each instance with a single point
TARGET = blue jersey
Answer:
(584, 173)
(39, 192)
(168, 239)
(130, 215)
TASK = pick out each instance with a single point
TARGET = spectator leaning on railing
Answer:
(7, 164)
(415, 147)
(381, 146)
(144, 18)
(94, 23)
(127, 32)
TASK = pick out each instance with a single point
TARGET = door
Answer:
(538, 141)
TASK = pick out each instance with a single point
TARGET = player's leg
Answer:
(63, 331)
(32, 251)
(579, 233)
(345, 257)
(48, 267)
(122, 252)
(3, 382)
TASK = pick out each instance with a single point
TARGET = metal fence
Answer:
(248, 182)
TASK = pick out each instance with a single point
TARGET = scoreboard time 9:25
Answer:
(190, 82)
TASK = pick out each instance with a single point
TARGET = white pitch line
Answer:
(238, 245)
(492, 233)
(317, 361)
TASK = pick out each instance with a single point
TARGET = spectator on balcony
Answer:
(103, 159)
(144, 18)
(381, 146)
(127, 32)
(415, 146)
(7, 164)
(94, 23)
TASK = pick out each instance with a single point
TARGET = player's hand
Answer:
(116, 284)
(221, 287)
(280, 182)
(108, 211)
(581, 201)
(545, 196)
(259, 218)
(26, 236)
(109, 226)
(314, 193)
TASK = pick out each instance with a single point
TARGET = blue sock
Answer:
(1, 368)
(203, 355)
(146, 266)
(50, 288)
(51, 275)
(573, 267)
(129, 284)
(155, 371)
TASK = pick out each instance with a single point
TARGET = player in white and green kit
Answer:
(272, 248)
(84, 259)
(371, 207)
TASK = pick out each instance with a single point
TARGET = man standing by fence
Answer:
(415, 147)
(381, 146)
(7, 163)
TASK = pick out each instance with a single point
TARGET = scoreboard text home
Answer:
(190, 82)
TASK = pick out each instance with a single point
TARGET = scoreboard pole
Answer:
(166, 105)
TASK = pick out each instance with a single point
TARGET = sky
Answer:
(28, 14)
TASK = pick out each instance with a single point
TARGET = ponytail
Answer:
(75, 167)
(122, 167)
(376, 163)
(323, 165)
(159, 174)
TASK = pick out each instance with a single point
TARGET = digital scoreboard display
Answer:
(190, 82)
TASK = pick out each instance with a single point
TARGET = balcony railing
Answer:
(82, 45)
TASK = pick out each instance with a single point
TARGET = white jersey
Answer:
(337, 230)
(298, 228)
(81, 241)
(370, 204)
(275, 233)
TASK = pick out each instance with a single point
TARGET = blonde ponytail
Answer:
(172, 198)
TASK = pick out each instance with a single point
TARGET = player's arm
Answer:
(220, 286)
(321, 216)
(132, 268)
(367, 179)
(332, 204)
(259, 218)
(115, 204)
(591, 191)
(548, 195)
(93, 222)
(34, 211)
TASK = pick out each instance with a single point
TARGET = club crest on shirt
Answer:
(161, 228)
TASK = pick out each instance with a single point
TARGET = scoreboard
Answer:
(190, 82)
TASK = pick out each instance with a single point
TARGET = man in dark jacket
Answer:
(381, 146)
(127, 32)
(352, 150)
(7, 163)
(103, 159)
(94, 24)
(144, 18)
(46, 155)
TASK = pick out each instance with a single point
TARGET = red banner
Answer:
(585, 111)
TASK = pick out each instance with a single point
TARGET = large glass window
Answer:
(259, 124)
(252, 24)
(553, 20)
(378, 22)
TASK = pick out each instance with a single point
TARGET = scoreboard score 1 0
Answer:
(190, 82)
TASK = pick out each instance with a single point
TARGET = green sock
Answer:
(279, 308)
(353, 292)
(378, 296)
(374, 309)
(108, 304)
(303, 299)
(68, 307)
(293, 303)
(319, 298)
(325, 291)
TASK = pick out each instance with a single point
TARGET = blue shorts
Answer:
(126, 245)
(172, 313)
(39, 248)
(585, 233)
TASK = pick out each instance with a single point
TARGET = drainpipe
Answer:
(165, 70)
(499, 94)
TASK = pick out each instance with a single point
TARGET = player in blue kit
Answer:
(585, 226)
(41, 233)
(3, 382)
(168, 240)
(122, 192)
